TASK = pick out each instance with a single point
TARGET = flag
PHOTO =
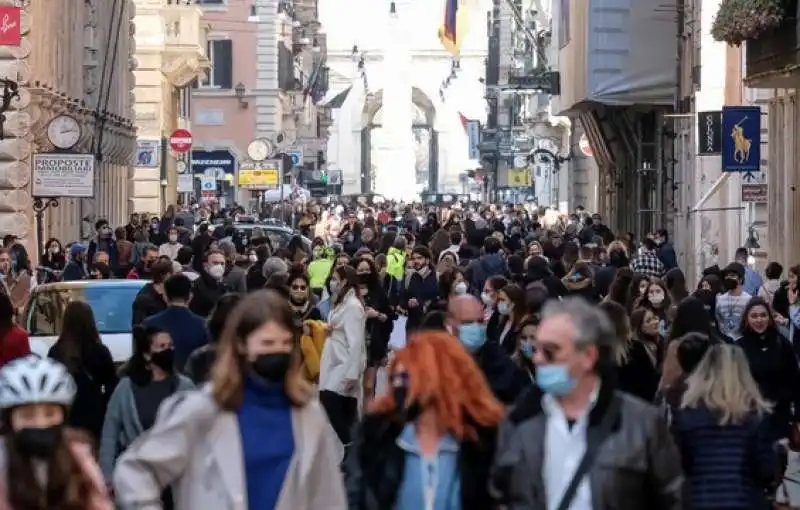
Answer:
(454, 26)
(464, 120)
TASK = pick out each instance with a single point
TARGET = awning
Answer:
(335, 100)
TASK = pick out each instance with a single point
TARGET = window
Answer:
(220, 54)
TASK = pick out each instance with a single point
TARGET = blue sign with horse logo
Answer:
(741, 139)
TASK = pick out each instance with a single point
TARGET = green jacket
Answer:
(396, 263)
(318, 271)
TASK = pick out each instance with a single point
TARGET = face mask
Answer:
(460, 288)
(502, 308)
(656, 299)
(412, 410)
(364, 278)
(39, 443)
(216, 271)
(527, 350)
(298, 297)
(555, 379)
(253, 258)
(165, 360)
(272, 367)
(173, 238)
(487, 299)
(472, 336)
(730, 283)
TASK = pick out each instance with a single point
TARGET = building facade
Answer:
(58, 66)
(768, 64)
(170, 56)
(394, 71)
(266, 76)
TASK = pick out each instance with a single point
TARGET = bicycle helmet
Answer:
(35, 380)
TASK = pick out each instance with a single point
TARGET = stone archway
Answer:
(423, 115)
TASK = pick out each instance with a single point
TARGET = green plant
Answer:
(740, 20)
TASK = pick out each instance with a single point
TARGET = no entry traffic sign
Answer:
(181, 140)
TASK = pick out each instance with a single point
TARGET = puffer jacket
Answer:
(638, 466)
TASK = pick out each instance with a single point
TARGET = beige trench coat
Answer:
(196, 448)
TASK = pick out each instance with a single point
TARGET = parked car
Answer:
(278, 233)
(110, 300)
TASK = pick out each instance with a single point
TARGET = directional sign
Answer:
(741, 139)
(296, 156)
(181, 140)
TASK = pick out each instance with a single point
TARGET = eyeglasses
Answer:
(549, 351)
(299, 287)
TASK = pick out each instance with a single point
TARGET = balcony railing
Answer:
(773, 60)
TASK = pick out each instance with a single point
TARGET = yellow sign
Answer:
(519, 177)
(259, 176)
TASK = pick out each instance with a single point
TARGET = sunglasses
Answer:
(549, 351)
(299, 287)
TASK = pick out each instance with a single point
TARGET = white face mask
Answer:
(216, 271)
(253, 257)
(460, 288)
(656, 298)
(173, 238)
(487, 299)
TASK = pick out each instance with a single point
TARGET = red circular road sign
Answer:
(181, 140)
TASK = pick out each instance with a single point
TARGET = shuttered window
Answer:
(220, 54)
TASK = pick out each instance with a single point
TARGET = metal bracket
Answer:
(41, 204)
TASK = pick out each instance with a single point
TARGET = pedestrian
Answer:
(211, 443)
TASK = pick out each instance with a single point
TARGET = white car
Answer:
(110, 300)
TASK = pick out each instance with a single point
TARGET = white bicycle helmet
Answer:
(35, 380)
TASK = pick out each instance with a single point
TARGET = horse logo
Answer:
(741, 144)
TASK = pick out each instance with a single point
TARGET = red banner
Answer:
(10, 30)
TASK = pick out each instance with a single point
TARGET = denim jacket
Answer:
(429, 484)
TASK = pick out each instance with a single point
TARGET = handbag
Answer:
(590, 454)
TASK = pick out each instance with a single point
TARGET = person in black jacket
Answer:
(198, 366)
(90, 363)
(210, 285)
(379, 319)
(151, 299)
(438, 397)
(421, 289)
(465, 321)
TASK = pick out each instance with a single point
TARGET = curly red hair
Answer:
(443, 375)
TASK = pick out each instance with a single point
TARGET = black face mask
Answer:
(410, 412)
(165, 360)
(39, 443)
(272, 367)
(365, 278)
(730, 283)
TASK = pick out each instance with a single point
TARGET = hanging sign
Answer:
(709, 133)
(10, 26)
(741, 139)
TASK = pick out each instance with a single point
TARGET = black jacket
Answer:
(505, 378)
(375, 463)
(148, 302)
(206, 291)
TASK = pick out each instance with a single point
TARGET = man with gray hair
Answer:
(549, 444)
(235, 277)
(273, 265)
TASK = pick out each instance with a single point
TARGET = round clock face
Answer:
(258, 150)
(180, 166)
(64, 132)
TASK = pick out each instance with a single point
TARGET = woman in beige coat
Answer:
(253, 438)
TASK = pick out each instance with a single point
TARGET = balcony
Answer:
(185, 40)
(773, 59)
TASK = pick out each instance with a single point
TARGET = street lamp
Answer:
(548, 156)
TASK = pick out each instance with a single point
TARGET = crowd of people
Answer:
(407, 357)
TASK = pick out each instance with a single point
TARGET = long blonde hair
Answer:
(722, 382)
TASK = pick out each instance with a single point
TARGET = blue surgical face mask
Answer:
(555, 379)
(527, 350)
(472, 336)
(502, 308)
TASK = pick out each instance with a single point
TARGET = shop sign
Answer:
(63, 175)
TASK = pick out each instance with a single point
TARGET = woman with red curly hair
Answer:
(426, 444)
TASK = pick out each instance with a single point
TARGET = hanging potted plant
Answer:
(740, 20)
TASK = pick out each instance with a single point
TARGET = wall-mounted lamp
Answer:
(315, 47)
(253, 17)
(240, 90)
(392, 9)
